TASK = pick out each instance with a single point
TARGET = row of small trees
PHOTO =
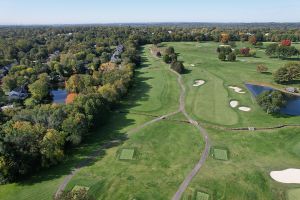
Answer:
(170, 57)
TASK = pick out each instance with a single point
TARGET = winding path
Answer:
(202, 131)
(192, 173)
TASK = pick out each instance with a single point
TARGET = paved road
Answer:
(203, 132)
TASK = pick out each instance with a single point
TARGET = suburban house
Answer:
(117, 54)
(291, 90)
(18, 93)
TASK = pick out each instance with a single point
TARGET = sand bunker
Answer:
(234, 104)
(245, 109)
(286, 176)
(237, 89)
(198, 83)
(192, 65)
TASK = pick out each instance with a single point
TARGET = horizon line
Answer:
(126, 23)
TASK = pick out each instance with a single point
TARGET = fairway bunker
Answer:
(198, 83)
(233, 104)
(245, 109)
(192, 65)
(286, 176)
(220, 154)
(237, 89)
(202, 196)
(126, 154)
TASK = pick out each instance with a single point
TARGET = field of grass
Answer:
(210, 102)
(253, 155)
(166, 151)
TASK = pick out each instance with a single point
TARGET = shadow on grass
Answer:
(104, 137)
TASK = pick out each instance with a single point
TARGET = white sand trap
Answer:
(286, 176)
(192, 65)
(237, 89)
(245, 109)
(198, 83)
(234, 104)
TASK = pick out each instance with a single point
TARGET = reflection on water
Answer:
(293, 104)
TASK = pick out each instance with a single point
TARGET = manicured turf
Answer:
(252, 156)
(220, 154)
(126, 154)
(210, 102)
(167, 152)
(202, 196)
(293, 194)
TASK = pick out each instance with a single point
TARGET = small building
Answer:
(291, 90)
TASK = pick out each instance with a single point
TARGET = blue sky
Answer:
(120, 11)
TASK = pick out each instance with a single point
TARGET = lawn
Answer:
(166, 151)
(210, 103)
(253, 155)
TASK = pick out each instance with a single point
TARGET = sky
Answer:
(23, 12)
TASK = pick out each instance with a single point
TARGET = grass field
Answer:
(253, 155)
(210, 102)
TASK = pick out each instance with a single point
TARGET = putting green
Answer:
(220, 154)
(202, 196)
(293, 194)
(126, 154)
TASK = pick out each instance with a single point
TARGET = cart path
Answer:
(203, 132)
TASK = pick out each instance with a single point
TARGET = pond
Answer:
(59, 95)
(293, 103)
